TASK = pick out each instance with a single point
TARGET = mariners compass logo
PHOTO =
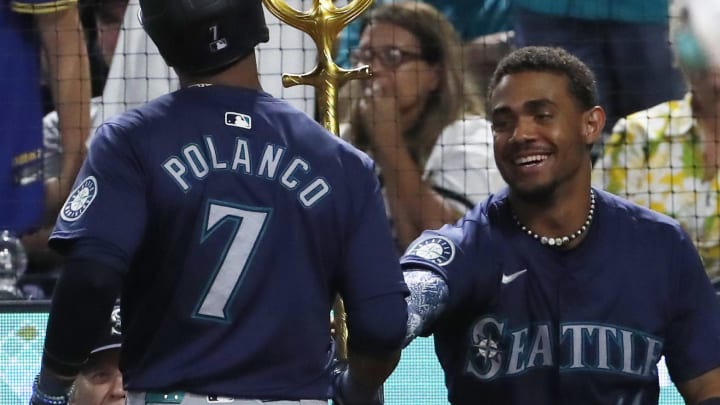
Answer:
(436, 249)
(79, 200)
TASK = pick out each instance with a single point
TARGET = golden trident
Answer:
(323, 23)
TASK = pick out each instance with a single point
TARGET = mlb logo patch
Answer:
(218, 45)
(234, 119)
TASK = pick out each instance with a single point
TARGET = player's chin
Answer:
(532, 189)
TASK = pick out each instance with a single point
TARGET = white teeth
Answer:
(530, 159)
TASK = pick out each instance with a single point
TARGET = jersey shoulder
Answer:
(642, 219)
(470, 238)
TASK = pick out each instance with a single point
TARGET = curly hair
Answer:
(581, 80)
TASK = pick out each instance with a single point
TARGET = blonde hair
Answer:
(440, 47)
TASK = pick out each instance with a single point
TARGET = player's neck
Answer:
(561, 214)
(242, 74)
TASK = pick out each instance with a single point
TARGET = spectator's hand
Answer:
(56, 192)
(40, 256)
(382, 116)
(36, 241)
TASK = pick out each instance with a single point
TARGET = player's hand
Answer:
(346, 392)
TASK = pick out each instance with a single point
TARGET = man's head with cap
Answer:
(698, 56)
(696, 36)
(100, 380)
(203, 37)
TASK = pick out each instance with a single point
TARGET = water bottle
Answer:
(13, 263)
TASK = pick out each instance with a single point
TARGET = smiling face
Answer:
(541, 133)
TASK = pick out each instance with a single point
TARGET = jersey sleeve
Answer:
(692, 345)
(107, 205)
(454, 252)
(41, 6)
(371, 262)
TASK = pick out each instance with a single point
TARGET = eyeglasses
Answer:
(390, 57)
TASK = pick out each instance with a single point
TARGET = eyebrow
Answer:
(530, 105)
(538, 103)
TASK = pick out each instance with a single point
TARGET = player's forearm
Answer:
(361, 382)
(82, 300)
(69, 80)
(369, 373)
(429, 295)
(377, 328)
(701, 388)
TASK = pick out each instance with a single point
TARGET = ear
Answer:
(434, 79)
(593, 124)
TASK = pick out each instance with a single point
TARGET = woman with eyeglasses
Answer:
(418, 117)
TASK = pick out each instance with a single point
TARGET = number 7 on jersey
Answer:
(249, 225)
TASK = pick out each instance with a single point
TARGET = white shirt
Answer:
(463, 160)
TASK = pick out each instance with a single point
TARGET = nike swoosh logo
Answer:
(509, 278)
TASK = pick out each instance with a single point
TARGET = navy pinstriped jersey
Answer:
(528, 324)
(238, 219)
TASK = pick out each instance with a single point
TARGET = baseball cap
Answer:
(111, 337)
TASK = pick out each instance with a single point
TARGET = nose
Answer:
(524, 130)
(117, 390)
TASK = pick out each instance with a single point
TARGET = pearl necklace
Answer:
(563, 240)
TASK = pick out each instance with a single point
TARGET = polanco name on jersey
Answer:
(194, 163)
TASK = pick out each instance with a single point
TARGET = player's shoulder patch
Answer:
(79, 200)
(436, 249)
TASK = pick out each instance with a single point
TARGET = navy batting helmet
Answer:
(204, 36)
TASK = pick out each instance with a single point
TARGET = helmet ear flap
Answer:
(204, 36)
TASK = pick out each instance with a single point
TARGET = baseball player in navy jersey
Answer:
(229, 221)
(552, 292)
